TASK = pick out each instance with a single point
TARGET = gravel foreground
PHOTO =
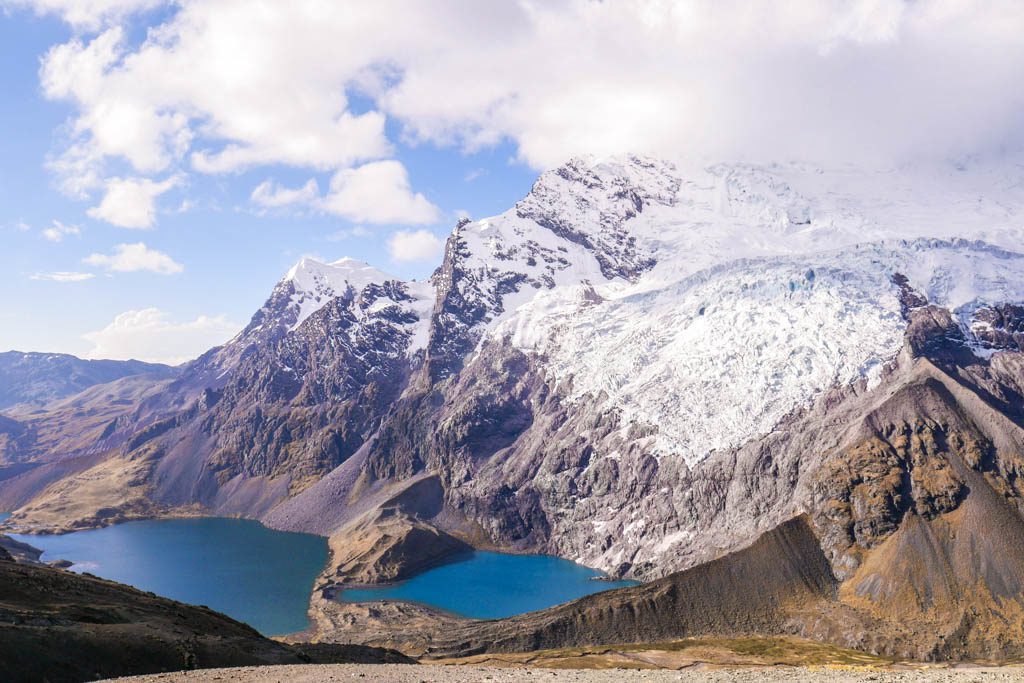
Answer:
(404, 673)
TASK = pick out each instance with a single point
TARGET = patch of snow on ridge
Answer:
(317, 283)
(422, 305)
(719, 357)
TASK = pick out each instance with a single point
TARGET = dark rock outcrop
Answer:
(1000, 326)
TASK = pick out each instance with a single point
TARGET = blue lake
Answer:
(264, 577)
(487, 585)
(235, 566)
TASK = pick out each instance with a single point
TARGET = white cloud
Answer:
(419, 245)
(378, 192)
(228, 87)
(270, 195)
(58, 231)
(130, 258)
(85, 14)
(61, 276)
(150, 335)
(222, 86)
(131, 202)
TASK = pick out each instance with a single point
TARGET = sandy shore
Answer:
(399, 673)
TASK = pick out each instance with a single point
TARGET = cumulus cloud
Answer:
(269, 194)
(418, 245)
(219, 84)
(58, 231)
(131, 202)
(224, 86)
(130, 258)
(378, 192)
(61, 276)
(86, 14)
(871, 80)
(151, 335)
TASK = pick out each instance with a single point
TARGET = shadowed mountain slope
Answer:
(755, 590)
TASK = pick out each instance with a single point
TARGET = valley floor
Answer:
(405, 673)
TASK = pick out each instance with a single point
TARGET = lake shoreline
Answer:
(55, 544)
(541, 581)
(10, 526)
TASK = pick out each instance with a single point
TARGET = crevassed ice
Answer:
(729, 331)
(720, 357)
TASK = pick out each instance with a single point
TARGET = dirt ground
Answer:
(404, 673)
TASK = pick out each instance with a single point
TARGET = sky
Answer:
(164, 162)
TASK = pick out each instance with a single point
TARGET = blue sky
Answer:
(232, 252)
(164, 162)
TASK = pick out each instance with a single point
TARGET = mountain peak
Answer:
(345, 269)
(315, 283)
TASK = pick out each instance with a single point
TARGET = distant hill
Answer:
(43, 377)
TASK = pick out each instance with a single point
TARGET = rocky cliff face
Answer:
(641, 366)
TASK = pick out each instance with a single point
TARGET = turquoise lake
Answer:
(264, 577)
(235, 566)
(487, 585)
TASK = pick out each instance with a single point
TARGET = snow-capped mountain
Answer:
(312, 285)
(305, 289)
(719, 357)
(641, 365)
(712, 301)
